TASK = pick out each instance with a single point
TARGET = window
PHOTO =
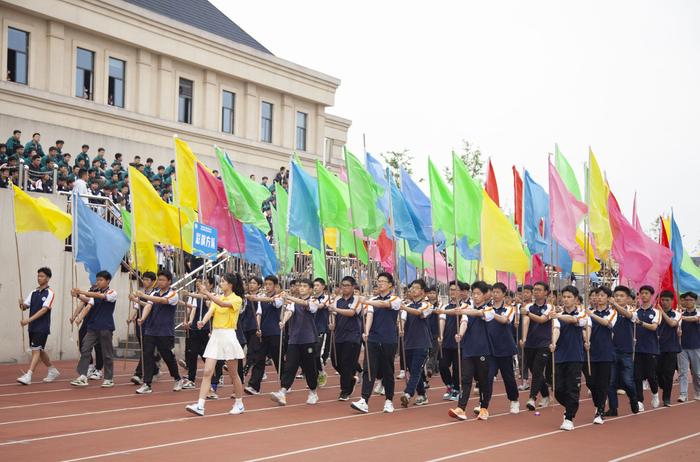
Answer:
(84, 74)
(17, 48)
(266, 123)
(301, 130)
(184, 112)
(227, 111)
(115, 90)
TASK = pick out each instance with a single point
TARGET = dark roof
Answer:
(202, 15)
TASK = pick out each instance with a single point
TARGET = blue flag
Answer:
(685, 280)
(468, 253)
(407, 272)
(419, 202)
(374, 167)
(406, 224)
(100, 246)
(303, 219)
(258, 251)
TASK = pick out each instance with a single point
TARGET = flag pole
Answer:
(323, 234)
(586, 244)
(136, 269)
(352, 217)
(19, 268)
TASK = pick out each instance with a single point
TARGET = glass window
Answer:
(17, 50)
(302, 119)
(115, 90)
(184, 112)
(84, 74)
(228, 105)
(266, 122)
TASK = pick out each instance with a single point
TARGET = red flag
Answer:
(214, 211)
(386, 251)
(667, 280)
(538, 272)
(491, 185)
(518, 185)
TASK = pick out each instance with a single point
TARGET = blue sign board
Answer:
(204, 241)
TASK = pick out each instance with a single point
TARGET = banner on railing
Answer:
(204, 241)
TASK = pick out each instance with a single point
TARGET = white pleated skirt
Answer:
(223, 344)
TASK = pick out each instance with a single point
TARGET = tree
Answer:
(396, 160)
(654, 229)
(471, 156)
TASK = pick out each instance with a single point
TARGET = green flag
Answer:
(566, 173)
(469, 196)
(333, 199)
(442, 203)
(364, 194)
(414, 258)
(126, 222)
(245, 196)
(466, 269)
(348, 242)
(318, 259)
(287, 243)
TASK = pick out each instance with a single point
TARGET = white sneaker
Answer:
(421, 400)
(279, 397)
(26, 379)
(598, 420)
(402, 374)
(682, 399)
(361, 405)
(378, 388)
(620, 392)
(697, 396)
(52, 375)
(195, 409)
(313, 397)
(188, 385)
(544, 402)
(144, 389)
(237, 408)
(567, 425)
(514, 407)
(107, 384)
(388, 407)
(182, 364)
(641, 407)
(655, 400)
(178, 385)
(81, 381)
(91, 369)
(264, 376)
(96, 375)
(531, 404)
(251, 391)
(645, 384)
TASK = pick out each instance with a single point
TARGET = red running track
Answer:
(57, 422)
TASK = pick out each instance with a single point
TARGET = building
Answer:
(128, 74)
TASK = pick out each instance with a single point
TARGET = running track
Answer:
(57, 422)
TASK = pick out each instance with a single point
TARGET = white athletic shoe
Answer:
(52, 375)
(697, 396)
(641, 407)
(96, 375)
(448, 394)
(598, 419)
(237, 408)
(514, 407)
(567, 425)
(279, 397)
(531, 404)
(655, 400)
(188, 385)
(421, 400)
(195, 409)
(313, 397)
(251, 391)
(182, 364)
(178, 385)
(388, 406)
(361, 405)
(645, 385)
(544, 402)
(136, 380)
(682, 399)
(26, 379)
(91, 369)
(107, 384)
(402, 374)
(144, 389)
(264, 376)
(379, 388)
(620, 392)
(81, 381)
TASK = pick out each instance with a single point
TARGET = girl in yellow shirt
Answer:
(223, 343)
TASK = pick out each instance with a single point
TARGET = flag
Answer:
(385, 247)
(303, 219)
(628, 246)
(364, 196)
(436, 266)
(501, 248)
(635, 218)
(593, 264)
(538, 273)
(667, 274)
(407, 272)
(419, 203)
(318, 260)
(40, 214)
(349, 243)
(258, 251)
(185, 176)
(566, 173)
(442, 203)
(99, 246)
(491, 184)
(686, 273)
(145, 251)
(245, 196)
(286, 242)
(214, 211)
(333, 198)
(467, 193)
(518, 191)
(598, 200)
(565, 214)
(374, 167)
(406, 223)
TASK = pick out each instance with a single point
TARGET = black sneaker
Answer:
(635, 407)
(610, 413)
(343, 397)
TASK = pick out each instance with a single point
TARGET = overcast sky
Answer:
(513, 78)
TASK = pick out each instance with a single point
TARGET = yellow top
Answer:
(227, 318)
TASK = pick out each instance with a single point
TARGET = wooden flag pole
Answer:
(19, 271)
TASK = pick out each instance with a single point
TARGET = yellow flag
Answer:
(501, 248)
(578, 266)
(146, 257)
(331, 236)
(40, 214)
(598, 208)
(185, 176)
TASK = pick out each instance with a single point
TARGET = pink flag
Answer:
(507, 279)
(214, 211)
(343, 174)
(566, 212)
(442, 272)
(538, 272)
(629, 248)
(635, 218)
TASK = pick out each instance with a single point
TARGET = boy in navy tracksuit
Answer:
(622, 370)
(197, 339)
(689, 358)
(503, 344)
(537, 336)
(346, 315)
(39, 304)
(432, 365)
(602, 321)
(248, 324)
(567, 341)
(449, 369)
(321, 320)
(476, 351)
(669, 346)
(647, 347)
(149, 281)
(301, 351)
(381, 339)
(417, 340)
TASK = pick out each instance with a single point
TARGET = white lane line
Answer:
(654, 448)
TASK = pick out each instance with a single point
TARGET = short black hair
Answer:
(46, 270)
(666, 294)
(81, 172)
(321, 280)
(500, 286)
(482, 286)
(16, 131)
(432, 289)
(624, 289)
(648, 288)
(167, 274)
(571, 289)
(692, 295)
(386, 275)
(542, 284)
(104, 275)
(35, 133)
(602, 289)
(306, 281)
(272, 278)
(85, 146)
(149, 275)
(60, 142)
(528, 287)
(257, 279)
(349, 279)
(421, 283)
(460, 285)
(150, 159)
(100, 149)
